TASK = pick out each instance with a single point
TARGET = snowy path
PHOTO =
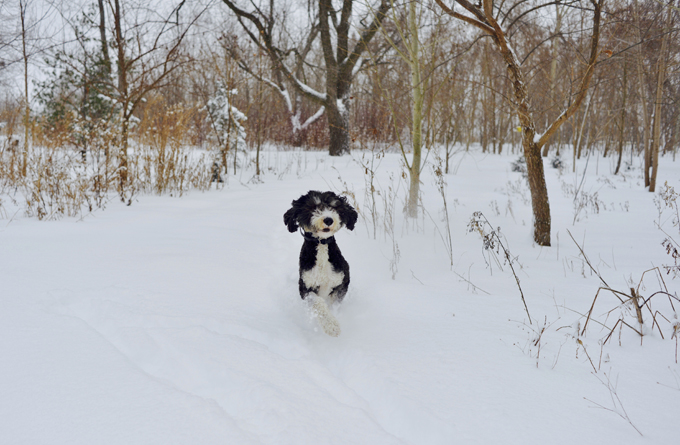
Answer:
(178, 322)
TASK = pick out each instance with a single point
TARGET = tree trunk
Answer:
(672, 142)
(539, 192)
(486, 106)
(469, 117)
(418, 96)
(120, 45)
(643, 98)
(553, 65)
(338, 128)
(123, 157)
(661, 76)
(102, 37)
(579, 141)
(622, 128)
(532, 152)
(27, 107)
(122, 96)
(84, 114)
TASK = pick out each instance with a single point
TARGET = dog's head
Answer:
(320, 213)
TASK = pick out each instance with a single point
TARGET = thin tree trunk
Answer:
(448, 153)
(416, 112)
(643, 98)
(469, 118)
(583, 124)
(120, 45)
(123, 161)
(622, 127)
(102, 37)
(553, 63)
(574, 140)
(607, 145)
(122, 96)
(661, 77)
(672, 142)
(84, 114)
(27, 107)
(484, 127)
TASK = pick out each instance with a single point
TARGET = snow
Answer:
(286, 98)
(341, 106)
(357, 66)
(512, 52)
(313, 118)
(178, 320)
(311, 91)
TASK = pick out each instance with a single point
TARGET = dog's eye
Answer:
(334, 203)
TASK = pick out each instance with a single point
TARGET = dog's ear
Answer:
(290, 217)
(347, 214)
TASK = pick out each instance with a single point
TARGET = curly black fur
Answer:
(308, 259)
(300, 213)
(316, 242)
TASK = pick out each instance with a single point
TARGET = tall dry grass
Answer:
(73, 167)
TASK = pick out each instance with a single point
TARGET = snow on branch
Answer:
(315, 117)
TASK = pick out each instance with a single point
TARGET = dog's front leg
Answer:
(314, 287)
(327, 321)
(320, 309)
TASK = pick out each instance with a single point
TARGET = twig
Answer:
(615, 292)
(489, 243)
(585, 257)
(416, 278)
(12, 218)
(615, 399)
(470, 283)
(578, 340)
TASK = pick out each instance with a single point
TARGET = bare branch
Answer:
(585, 80)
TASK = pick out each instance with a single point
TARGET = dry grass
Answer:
(69, 176)
(633, 309)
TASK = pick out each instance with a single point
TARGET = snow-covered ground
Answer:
(177, 320)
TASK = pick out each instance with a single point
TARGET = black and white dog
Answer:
(324, 273)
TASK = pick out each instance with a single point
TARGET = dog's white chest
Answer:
(322, 275)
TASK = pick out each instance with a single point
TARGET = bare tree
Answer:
(643, 96)
(341, 57)
(21, 47)
(148, 48)
(418, 51)
(292, 100)
(658, 99)
(418, 97)
(484, 17)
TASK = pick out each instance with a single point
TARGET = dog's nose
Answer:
(328, 221)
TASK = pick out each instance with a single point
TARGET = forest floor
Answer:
(178, 320)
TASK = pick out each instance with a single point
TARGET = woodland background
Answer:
(123, 96)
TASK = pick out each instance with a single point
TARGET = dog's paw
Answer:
(330, 326)
(327, 321)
